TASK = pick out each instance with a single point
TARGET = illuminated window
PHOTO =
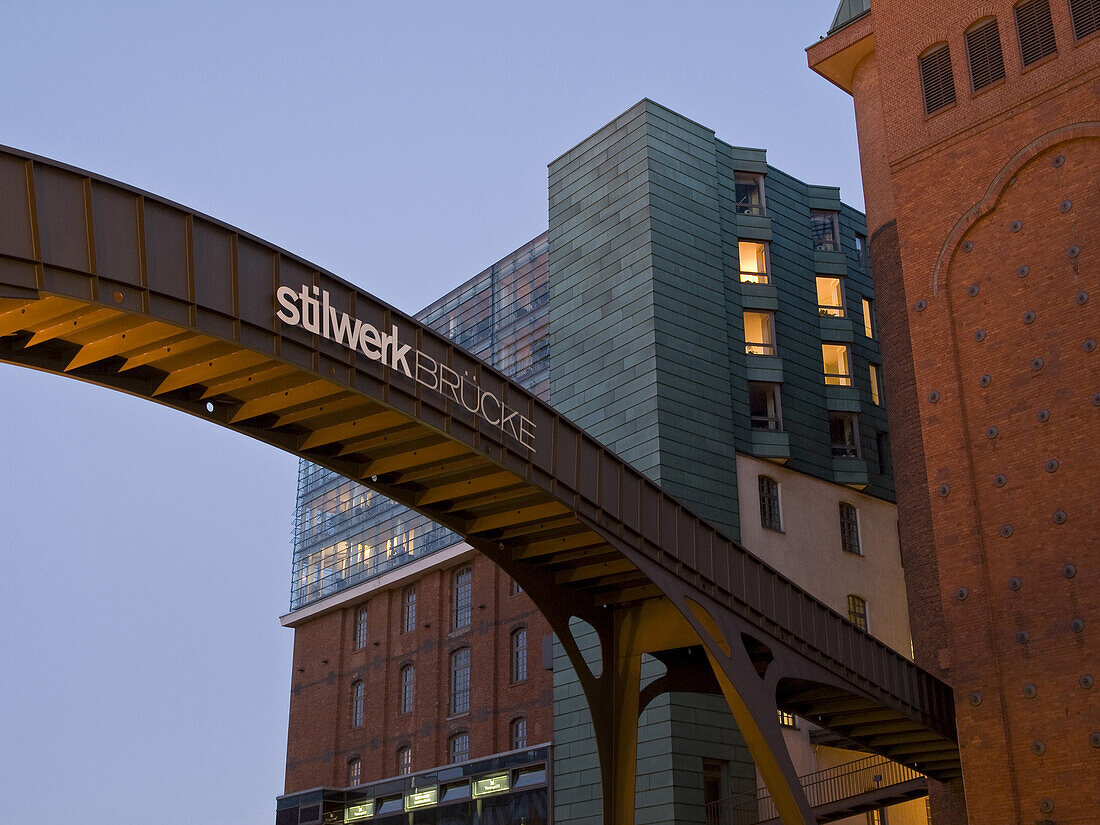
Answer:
(1036, 30)
(983, 51)
(361, 627)
(460, 681)
(769, 503)
(404, 760)
(830, 296)
(843, 435)
(857, 611)
(849, 529)
(837, 365)
(786, 719)
(876, 390)
(868, 318)
(748, 190)
(355, 771)
(754, 261)
(358, 692)
(937, 81)
(519, 655)
(764, 413)
(407, 677)
(824, 229)
(876, 817)
(408, 609)
(458, 747)
(519, 732)
(463, 583)
(759, 335)
(1086, 17)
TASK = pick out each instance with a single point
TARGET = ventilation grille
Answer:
(983, 48)
(936, 80)
(1036, 31)
(1086, 17)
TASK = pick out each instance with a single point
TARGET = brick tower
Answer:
(979, 137)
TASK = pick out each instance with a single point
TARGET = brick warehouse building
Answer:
(979, 137)
(652, 220)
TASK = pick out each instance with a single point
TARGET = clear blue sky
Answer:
(146, 555)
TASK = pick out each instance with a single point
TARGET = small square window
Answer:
(837, 364)
(857, 611)
(830, 296)
(764, 412)
(824, 229)
(843, 435)
(786, 720)
(753, 257)
(759, 333)
(749, 193)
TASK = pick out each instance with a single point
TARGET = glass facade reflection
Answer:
(345, 533)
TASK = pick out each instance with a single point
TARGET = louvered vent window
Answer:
(936, 80)
(1036, 30)
(983, 48)
(1086, 17)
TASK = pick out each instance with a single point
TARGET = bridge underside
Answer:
(113, 286)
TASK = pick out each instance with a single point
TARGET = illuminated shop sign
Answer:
(418, 799)
(491, 784)
(354, 813)
(309, 308)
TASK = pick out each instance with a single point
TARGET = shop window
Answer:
(408, 675)
(460, 681)
(355, 771)
(753, 257)
(519, 655)
(825, 231)
(1035, 29)
(408, 609)
(748, 190)
(1086, 17)
(830, 296)
(358, 694)
(404, 760)
(857, 611)
(769, 503)
(937, 81)
(759, 333)
(518, 733)
(843, 435)
(764, 412)
(868, 318)
(458, 747)
(837, 364)
(361, 627)
(463, 585)
(849, 529)
(876, 385)
(983, 51)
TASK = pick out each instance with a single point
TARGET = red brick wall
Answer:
(960, 180)
(321, 740)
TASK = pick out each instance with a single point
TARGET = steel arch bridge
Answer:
(111, 285)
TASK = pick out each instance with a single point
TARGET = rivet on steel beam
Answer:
(991, 432)
(968, 246)
(1065, 205)
(1023, 637)
(920, 305)
(1077, 625)
(1029, 317)
(1073, 251)
(1059, 517)
(985, 380)
(1082, 298)
(1047, 804)
(1069, 571)
(975, 698)
(979, 335)
(961, 594)
(118, 297)
(972, 290)
(1043, 416)
(1029, 691)
(1058, 161)
(1021, 271)
(1036, 364)
(1014, 583)
(1006, 530)
(1038, 747)
(1016, 226)
(1090, 345)
(1094, 739)
(934, 396)
(1086, 681)
(944, 490)
(1052, 465)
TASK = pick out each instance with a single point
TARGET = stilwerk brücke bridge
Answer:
(111, 285)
